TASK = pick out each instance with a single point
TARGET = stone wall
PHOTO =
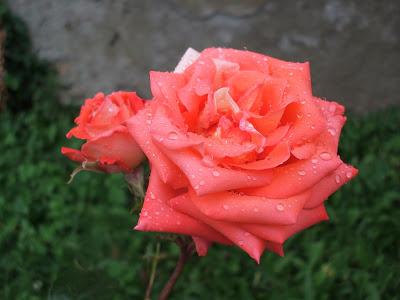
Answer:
(105, 45)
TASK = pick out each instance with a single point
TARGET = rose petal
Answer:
(329, 184)
(280, 233)
(139, 128)
(164, 88)
(276, 157)
(234, 207)
(119, 147)
(205, 179)
(187, 59)
(73, 154)
(157, 216)
(296, 177)
(306, 121)
(245, 59)
(202, 245)
(244, 240)
(304, 151)
(296, 74)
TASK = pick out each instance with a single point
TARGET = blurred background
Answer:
(60, 241)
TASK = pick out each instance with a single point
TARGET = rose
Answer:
(102, 123)
(241, 151)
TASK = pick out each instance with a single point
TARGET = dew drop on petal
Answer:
(215, 173)
(338, 179)
(280, 207)
(152, 196)
(301, 172)
(225, 206)
(202, 182)
(349, 174)
(332, 131)
(325, 156)
(246, 233)
(314, 160)
(299, 115)
(172, 135)
(241, 243)
(313, 127)
(332, 107)
(255, 209)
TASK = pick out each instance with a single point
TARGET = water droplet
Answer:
(290, 73)
(301, 172)
(172, 135)
(280, 207)
(148, 122)
(349, 174)
(225, 206)
(299, 115)
(157, 213)
(145, 214)
(202, 182)
(178, 223)
(308, 115)
(208, 161)
(246, 233)
(314, 160)
(325, 156)
(332, 131)
(152, 196)
(313, 127)
(215, 173)
(338, 179)
(241, 243)
(193, 176)
(303, 102)
(255, 209)
(196, 187)
(332, 107)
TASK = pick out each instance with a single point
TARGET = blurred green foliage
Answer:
(60, 241)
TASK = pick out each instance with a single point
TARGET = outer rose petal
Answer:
(297, 75)
(119, 147)
(280, 233)
(299, 176)
(329, 184)
(245, 59)
(202, 245)
(276, 157)
(205, 179)
(234, 207)
(73, 154)
(156, 215)
(187, 59)
(244, 240)
(164, 88)
(139, 128)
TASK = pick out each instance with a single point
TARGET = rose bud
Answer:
(109, 146)
(241, 151)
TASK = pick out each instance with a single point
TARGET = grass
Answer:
(60, 241)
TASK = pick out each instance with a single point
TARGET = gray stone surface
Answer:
(105, 45)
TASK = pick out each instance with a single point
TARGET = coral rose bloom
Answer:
(241, 151)
(102, 123)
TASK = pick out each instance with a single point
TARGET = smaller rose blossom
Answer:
(102, 123)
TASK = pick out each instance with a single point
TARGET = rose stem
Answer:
(152, 273)
(186, 250)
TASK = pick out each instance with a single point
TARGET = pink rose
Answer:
(241, 151)
(102, 123)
